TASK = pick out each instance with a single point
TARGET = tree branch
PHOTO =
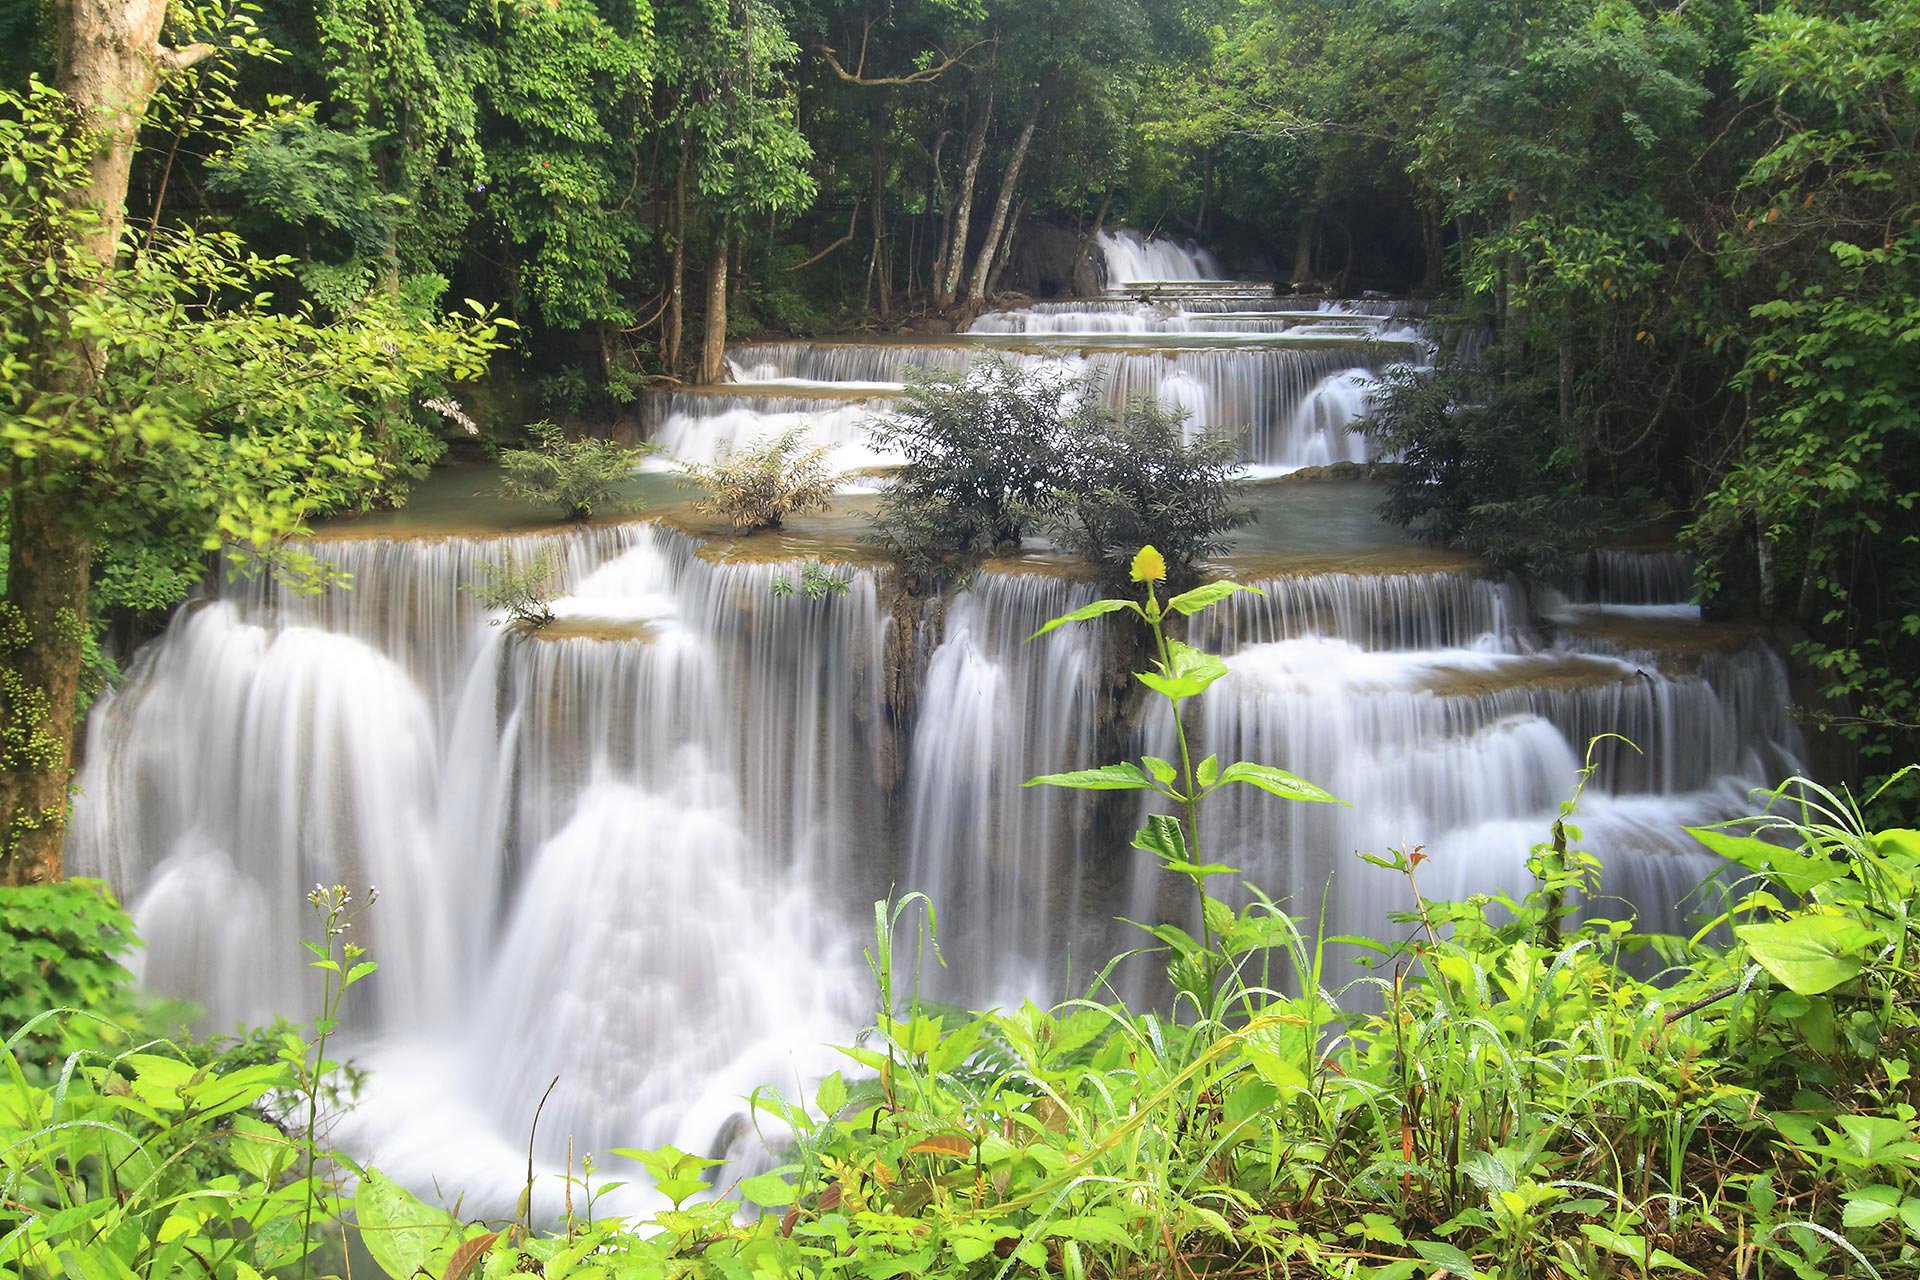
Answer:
(852, 219)
(173, 60)
(925, 75)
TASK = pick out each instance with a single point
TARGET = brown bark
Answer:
(977, 288)
(1434, 246)
(713, 353)
(956, 260)
(1093, 234)
(1004, 254)
(1302, 273)
(108, 61)
(677, 281)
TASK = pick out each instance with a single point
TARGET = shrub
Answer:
(1133, 476)
(579, 477)
(816, 582)
(1483, 466)
(983, 452)
(523, 586)
(760, 487)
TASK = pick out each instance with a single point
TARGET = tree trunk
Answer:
(42, 626)
(1434, 246)
(713, 355)
(879, 269)
(1087, 240)
(977, 289)
(108, 61)
(1302, 272)
(1004, 254)
(677, 285)
(963, 210)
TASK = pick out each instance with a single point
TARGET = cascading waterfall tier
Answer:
(1288, 377)
(624, 852)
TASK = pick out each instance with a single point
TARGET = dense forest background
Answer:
(1679, 241)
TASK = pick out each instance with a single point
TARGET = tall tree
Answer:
(155, 391)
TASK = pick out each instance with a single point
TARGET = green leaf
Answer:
(1162, 770)
(1163, 837)
(1192, 602)
(1209, 771)
(1451, 1257)
(1276, 781)
(768, 1190)
(1870, 1206)
(1809, 954)
(1794, 871)
(400, 1232)
(1108, 777)
(1086, 612)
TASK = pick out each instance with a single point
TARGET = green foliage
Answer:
(1481, 467)
(522, 586)
(579, 477)
(60, 948)
(141, 1158)
(1001, 451)
(1132, 475)
(816, 582)
(982, 450)
(758, 488)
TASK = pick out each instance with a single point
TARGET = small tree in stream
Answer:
(983, 452)
(759, 488)
(1133, 474)
(579, 477)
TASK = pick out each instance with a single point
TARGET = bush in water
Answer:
(759, 488)
(524, 586)
(1133, 474)
(1001, 451)
(579, 477)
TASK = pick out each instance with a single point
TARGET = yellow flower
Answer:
(1149, 566)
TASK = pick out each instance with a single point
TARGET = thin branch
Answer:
(852, 219)
(926, 75)
(181, 59)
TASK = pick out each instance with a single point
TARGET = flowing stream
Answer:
(637, 852)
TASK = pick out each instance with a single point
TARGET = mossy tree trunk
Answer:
(108, 62)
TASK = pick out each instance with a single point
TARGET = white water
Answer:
(637, 853)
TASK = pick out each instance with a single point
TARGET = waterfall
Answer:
(635, 851)
(1132, 259)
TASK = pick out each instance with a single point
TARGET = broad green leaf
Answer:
(1809, 954)
(1870, 1206)
(1163, 837)
(768, 1190)
(1085, 613)
(1108, 777)
(1792, 870)
(1276, 781)
(1192, 602)
(1451, 1257)
(1209, 771)
(400, 1232)
(1162, 770)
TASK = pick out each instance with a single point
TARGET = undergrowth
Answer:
(1499, 1096)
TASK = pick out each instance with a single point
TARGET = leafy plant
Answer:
(758, 488)
(579, 477)
(60, 948)
(523, 585)
(816, 582)
(1131, 475)
(983, 452)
